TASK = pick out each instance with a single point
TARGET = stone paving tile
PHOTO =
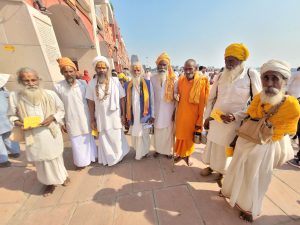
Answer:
(213, 209)
(100, 212)
(289, 175)
(12, 184)
(135, 209)
(287, 199)
(57, 215)
(294, 222)
(84, 184)
(116, 180)
(175, 206)
(146, 175)
(7, 211)
(179, 175)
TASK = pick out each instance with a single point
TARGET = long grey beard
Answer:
(136, 81)
(162, 76)
(33, 95)
(231, 75)
(273, 100)
(101, 78)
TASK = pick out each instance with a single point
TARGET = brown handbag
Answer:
(259, 131)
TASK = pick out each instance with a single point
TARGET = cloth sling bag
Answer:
(259, 131)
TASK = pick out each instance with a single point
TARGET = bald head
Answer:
(190, 67)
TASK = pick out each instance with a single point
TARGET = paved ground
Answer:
(137, 192)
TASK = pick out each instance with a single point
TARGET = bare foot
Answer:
(220, 180)
(78, 168)
(156, 154)
(247, 217)
(66, 182)
(49, 190)
(220, 194)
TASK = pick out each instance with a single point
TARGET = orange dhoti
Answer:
(188, 114)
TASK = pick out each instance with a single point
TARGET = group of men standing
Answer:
(173, 108)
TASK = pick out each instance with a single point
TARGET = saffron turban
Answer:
(169, 90)
(100, 59)
(3, 79)
(164, 56)
(238, 51)
(64, 61)
(279, 66)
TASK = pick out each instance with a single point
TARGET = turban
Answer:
(164, 56)
(100, 59)
(64, 61)
(238, 51)
(169, 90)
(279, 66)
(3, 79)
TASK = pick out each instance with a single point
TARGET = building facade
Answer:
(35, 33)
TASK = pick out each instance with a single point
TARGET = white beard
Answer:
(33, 95)
(162, 76)
(231, 75)
(273, 100)
(136, 81)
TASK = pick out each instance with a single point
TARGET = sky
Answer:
(202, 29)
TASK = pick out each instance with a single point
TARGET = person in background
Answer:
(293, 89)
(8, 148)
(86, 76)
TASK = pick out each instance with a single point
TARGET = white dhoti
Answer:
(214, 156)
(163, 140)
(112, 147)
(84, 149)
(141, 144)
(51, 172)
(250, 172)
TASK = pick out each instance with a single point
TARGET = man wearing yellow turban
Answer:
(193, 90)
(163, 85)
(77, 119)
(229, 96)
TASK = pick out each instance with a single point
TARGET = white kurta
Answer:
(112, 142)
(139, 135)
(232, 98)
(163, 133)
(77, 121)
(250, 172)
(46, 151)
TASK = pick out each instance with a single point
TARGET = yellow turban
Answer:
(238, 51)
(163, 56)
(169, 90)
(64, 61)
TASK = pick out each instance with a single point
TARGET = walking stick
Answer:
(174, 141)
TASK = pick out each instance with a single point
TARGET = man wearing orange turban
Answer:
(77, 121)
(164, 105)
(229, 96)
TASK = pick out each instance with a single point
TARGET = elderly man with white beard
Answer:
(250, 172)
(164, 83)
(106, 102)
(235, 86)
(44, 142)
(139, 111)
(77, 123)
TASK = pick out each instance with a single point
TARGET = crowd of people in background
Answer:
(169, 105)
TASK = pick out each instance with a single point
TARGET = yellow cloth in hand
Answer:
(95, 133)
(32, 122)
(216, 115)
(229, 151)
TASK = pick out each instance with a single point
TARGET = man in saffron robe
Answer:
(193, 90)
(139, 111)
